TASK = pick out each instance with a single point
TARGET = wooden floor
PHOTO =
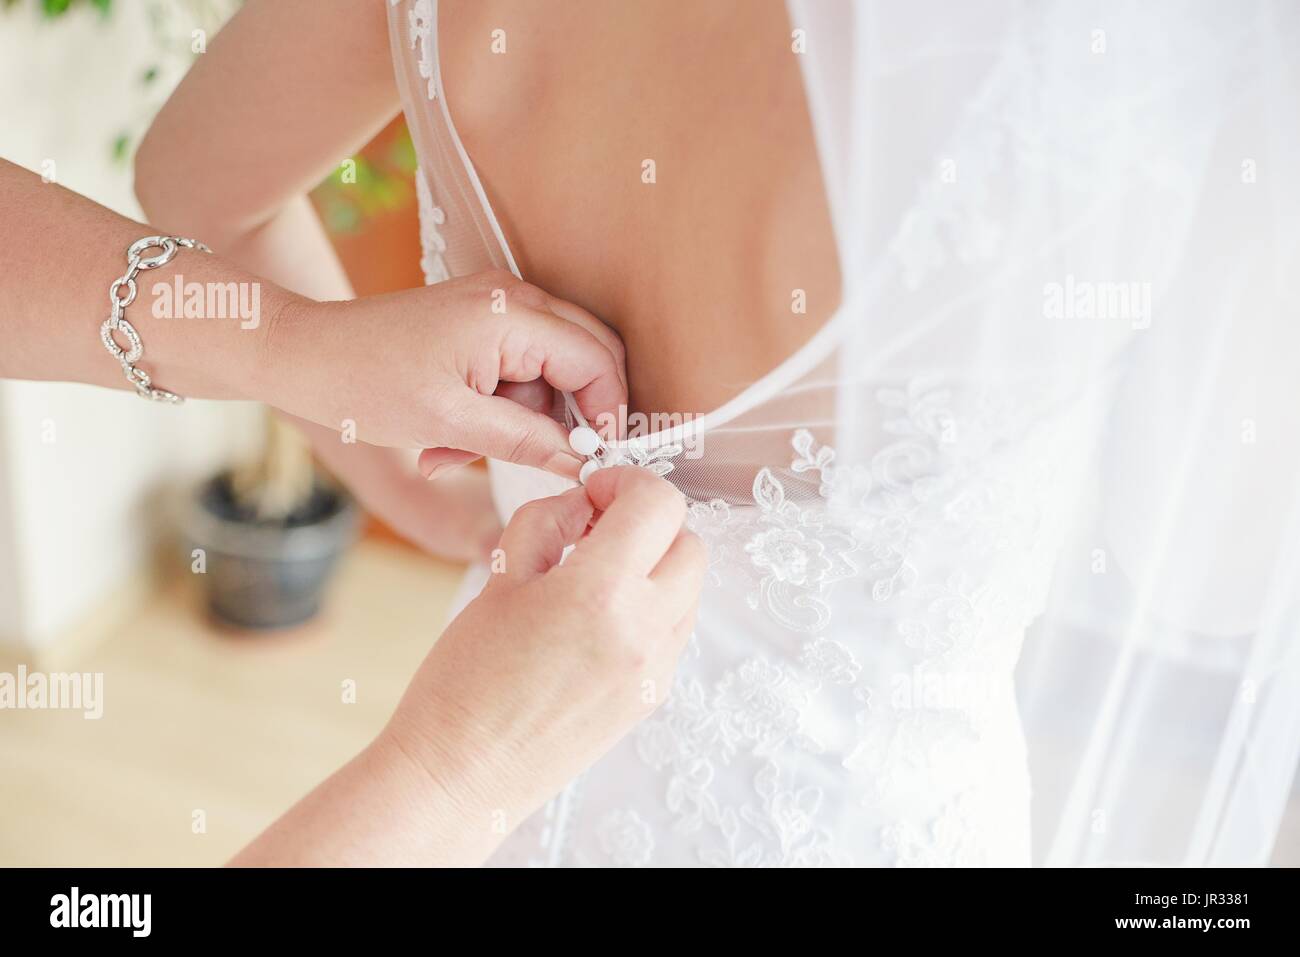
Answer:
(234, 726)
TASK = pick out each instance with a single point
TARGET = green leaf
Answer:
(121, 148)
(57, 8)
(402, 156)
(343, 218)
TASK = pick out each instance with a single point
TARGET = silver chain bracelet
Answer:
(137, 262)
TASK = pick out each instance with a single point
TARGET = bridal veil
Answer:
(1103, 199)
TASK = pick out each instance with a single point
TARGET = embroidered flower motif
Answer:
(655, 743)
(695, 728)
(793, 813)
(829, 661)
(951, 839)
(923, 408)
(655, 460)
(710, 520)
(421, 35)
(687, 736)
(789, 554)
(799, 555)
(432, 245)
(785, 820)
(950, 624)
(763, 702)
(626, 838)
(813, 458)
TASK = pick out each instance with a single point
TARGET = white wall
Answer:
(81, 469)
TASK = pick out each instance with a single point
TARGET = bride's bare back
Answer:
(654, 163)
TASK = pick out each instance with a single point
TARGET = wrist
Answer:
(463, 818)
(269, 354)
(193, 326)
(301, 366)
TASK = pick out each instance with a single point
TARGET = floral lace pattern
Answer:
(626, 838)
(798, 554)
(865, 521)
(655, 459)
(946, 841)
(930, 723)
(937, 546)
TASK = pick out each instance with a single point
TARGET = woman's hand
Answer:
(460, 368)
(529, 686)
(552, 664)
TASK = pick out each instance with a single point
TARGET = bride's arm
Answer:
(284, 94)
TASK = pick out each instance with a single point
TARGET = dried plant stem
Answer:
(280, 480)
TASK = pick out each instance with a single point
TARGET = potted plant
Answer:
(269, 533)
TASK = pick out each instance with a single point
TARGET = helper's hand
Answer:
(552, 664)
(530, 684)
(460, 368)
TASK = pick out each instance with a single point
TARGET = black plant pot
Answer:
(266, 575)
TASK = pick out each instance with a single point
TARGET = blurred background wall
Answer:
(84, 471)
(89, 478)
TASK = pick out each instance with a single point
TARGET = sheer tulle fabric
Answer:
(1024, 517)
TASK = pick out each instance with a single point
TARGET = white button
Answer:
(584, 440)
(588, 469)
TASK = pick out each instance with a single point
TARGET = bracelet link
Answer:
(137, 262)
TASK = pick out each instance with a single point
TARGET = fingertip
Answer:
(435, 463)
(603, 484)
(600, 487)
(603, 402)
(539, 531)
(565, 465)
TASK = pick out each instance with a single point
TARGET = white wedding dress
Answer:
(886, 511)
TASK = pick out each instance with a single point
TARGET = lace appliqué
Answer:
(799, 555)
(626, 838)
(656, 459)
(432, 244)
(755, 709)
(869, 521)
(933, 486)
(949, 840)
(420, 31)
(785, 818)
